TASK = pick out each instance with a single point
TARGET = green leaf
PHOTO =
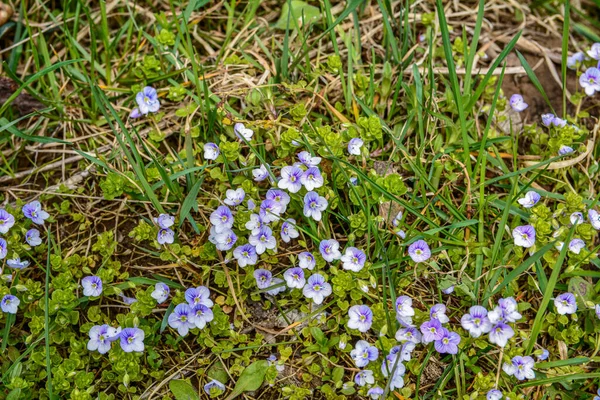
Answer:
(183, 390)
(217, 371)
(302, 12)
(251, 379)
(582, 288)
(318, 335)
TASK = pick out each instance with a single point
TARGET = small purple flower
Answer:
(263, 240)
(572, 61)
(34, 212)
(448, 343)
(101, 338)
(222, 219)
(3, 248)
(294, 278)
(501, 333)
(404, 309)
(10, 304)
(524, 236)
(181, 319)
(448, 290)
(314, 205)
(360, 317)
(520, 367)
(576, 245)
(547, 119)
(354, 146)
(147, 100)
(255, 223)
(564, 150)
(202, 316)
(308, 160)
(375, 392)
(290, 179)
(225, 240)
(590, 81)
(306, 260)
(507, 311)
(312, 179)
(242, 132)
(280, 287)
(132, 339)
(544, 355)
(211, 151)
(161, 292)
(576, 218)
(260, 174)
(92, 286)
(419, 251)
(432, 330)
(531, 199)
(476, 322)
(517, 103)
(597, 310)
(363, 353)
(16, 263)
(245, 255)
(397, 219)
(214, 388)
(263, 278)
(594, 51)
(164, 221)
(32, 237)
(199, 295)
(392, 365)
(494, 394)
(234, 197)
(128, 300)
(135, 113)
(364, 378)
(269, 211)
(354, 259)
(409, 334)
(594, 218)
(316, 288)
(6, 221)
(281, 198)
(165, 236)
(565, 304)
(288, 230)
(559, 122)
(330, 250)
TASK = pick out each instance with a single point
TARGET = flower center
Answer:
(292, 178)
(477, 321)
(418, 252)
(355, 260)
(446, 340)
(130, 339)
(362, 318)
(245, 254)
(525, 236)
(183, 318)
(101, 338)
(263, 238)
(224, 218)
(432, 330)
(317, 288)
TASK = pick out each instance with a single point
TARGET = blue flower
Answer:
(360, 317)
(132, 339)
(524, 236)
(199, 295)
(316, 288)
(565, 304)
(564, 150)
(182, 319)
(165, 236)
(290, 179)
(263, 240)
(242, 132)
(202, 316)
(314, 205)
(354, 146)
(544, 355)
(419, 251)
(270, 211)
(594, 218)
(575, 59)
(281, 198)
(35, 213)
(404, 310)
(234, 197)
(9, 304)
(520, 367)
(312, 179)
(363, 353)
(245, 255)
(222, 219)
(547, 119)
(161, 292)
(164, 221)
(590, 81)
(32, 237)
(260, 174)
(448, 344)
(92, 286)
(101, 338)
(263, 278)
(6, 221)
(517, 103)
(409, 334)
(294, 278)
(354, 259)
(476, 322)
(594, 51)
(147, 101)
(3, 248)
(531, 199)
(375, 392)
(306, 260)
(308, 160)
(288, 230)
(16, 263)
(501, 333)
(576, 245)
(438, 312)
(255, 223)
(576, 218)
(364, 378)
(214, 388)
(494, 394)
(330, 250)
(432, 331)
(225, 240)
(211, 151)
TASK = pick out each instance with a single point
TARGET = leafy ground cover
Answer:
(264, 200)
